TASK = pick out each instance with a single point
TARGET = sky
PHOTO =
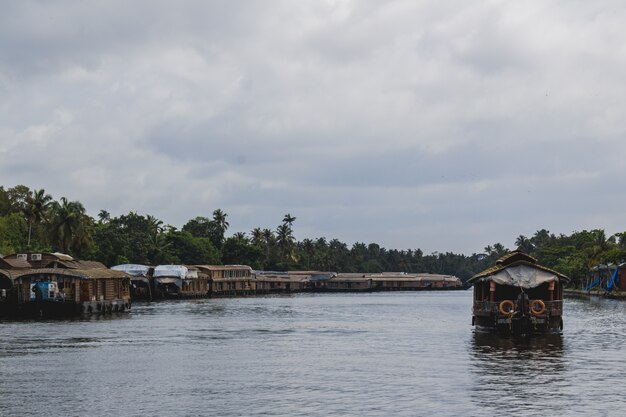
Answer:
(445, 126)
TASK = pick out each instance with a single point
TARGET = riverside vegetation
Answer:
(31, 220)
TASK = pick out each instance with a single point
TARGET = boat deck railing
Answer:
(554, 308)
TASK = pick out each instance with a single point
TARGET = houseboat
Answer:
(517, 296)
(179, 281)
(228, 280)
(141, 280)
(57, 284)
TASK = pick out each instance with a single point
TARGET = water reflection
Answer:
(519, 373)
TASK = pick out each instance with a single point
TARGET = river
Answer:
(381, 354)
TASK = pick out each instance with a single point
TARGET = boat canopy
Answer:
(524, 276)
(134, 270)
(179, 271)
(520, 270)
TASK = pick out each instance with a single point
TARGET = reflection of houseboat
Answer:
(518, 296)
(141, 280)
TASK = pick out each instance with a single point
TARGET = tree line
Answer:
(31, 220)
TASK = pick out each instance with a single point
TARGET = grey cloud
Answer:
(446, 126)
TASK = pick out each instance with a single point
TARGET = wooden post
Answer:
(492, 291)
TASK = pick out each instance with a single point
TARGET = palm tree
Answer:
(268, 238)
(37, 205)
(219, 217)
(257, 236)
(285, 240)
(104, 216)
(309, 249)
(524, 244)
(69, 225)
(155, 225)
(289, 219)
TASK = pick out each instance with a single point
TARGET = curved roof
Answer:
(99, 273)
(516, 258)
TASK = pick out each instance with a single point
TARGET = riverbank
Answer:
(618, 295)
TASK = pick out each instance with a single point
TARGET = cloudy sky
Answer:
(446, 126)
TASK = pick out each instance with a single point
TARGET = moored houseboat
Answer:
(168, 280)
(228, 280)
(141, 280)
(518, 296)
(45, 284)
(62, 291)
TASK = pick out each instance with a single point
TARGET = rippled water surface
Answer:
(381, 354)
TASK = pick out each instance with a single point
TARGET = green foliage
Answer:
(187, 249)
(133, 238)
(238, 249)
(13, 233)
(5, 203)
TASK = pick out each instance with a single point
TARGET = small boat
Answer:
(518, 296)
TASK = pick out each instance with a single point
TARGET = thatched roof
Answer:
(513, 259)
(93, 273)
(14, 263)
(74, 264)
(224, 267)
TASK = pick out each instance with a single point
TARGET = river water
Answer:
(382, 354)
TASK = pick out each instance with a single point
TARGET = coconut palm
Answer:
(289, 219)
(68, 225)
(257, 236)
(104, 216)
(524, 244)
(37, 204)
(285, 241)
(219, 217)
(268, 239)
(308, 248)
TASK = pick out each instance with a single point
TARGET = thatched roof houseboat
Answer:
(59, 284)
(518, 296)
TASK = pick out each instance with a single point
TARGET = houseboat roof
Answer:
(519, 269)
(57, 255)
(135, 270)
(179, 271)
(224, 267)
(14, 263)
(93, 273)
(74, 264)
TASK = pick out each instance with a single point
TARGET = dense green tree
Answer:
(190, 250)
(5, 203)
(198, 227)
(237, 249)
(13, 229)
(18, 198)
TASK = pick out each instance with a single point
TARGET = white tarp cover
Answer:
(134, 270)
(179, 271)
(523, 276)
(192, 274)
